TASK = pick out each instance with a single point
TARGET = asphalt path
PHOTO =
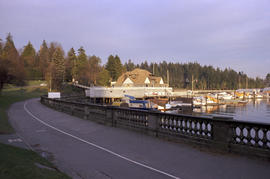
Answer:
(85, 149)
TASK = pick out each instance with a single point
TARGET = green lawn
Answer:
(16, 162)
(20, 163)
(12, 95)
(35, 82)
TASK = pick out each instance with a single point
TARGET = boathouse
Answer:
(139, 78)
(138, 83)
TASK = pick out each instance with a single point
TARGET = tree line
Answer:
(182, 75)
(50, 63)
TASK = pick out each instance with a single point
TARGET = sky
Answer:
(222, 33)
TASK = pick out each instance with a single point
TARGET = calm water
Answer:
(254, 110)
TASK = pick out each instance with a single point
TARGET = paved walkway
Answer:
(84, 149)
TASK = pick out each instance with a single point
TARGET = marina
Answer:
(255, 110)
(139, 89)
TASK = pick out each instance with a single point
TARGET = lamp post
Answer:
(193, 80)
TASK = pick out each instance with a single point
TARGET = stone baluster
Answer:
(222, 133)
(264, 139)
(153, 124)
(249, 138)
(86, 112)
(256, 138)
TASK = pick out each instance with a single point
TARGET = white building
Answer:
(138, 83)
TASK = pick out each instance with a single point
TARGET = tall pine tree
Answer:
(56, 72)
(15, 66)
(30, 62)
(95, 68)
(70, 63)
(115, 67)
(83, 66)
(43, 57)
(72, 59)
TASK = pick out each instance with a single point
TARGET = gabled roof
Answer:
(137, 76)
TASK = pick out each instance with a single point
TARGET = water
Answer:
(255, 110)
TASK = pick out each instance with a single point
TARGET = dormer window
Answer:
(147, 81)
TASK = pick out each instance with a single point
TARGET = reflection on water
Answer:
(254, 110)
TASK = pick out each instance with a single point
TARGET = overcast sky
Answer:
(227, 33)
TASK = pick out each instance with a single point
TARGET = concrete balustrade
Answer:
(218, 133)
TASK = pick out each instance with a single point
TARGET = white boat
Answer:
(224, 96)
(199, 101)
(176, 104)
(259, 96)
(202, 101)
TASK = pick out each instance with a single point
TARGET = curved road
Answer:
(84, 149)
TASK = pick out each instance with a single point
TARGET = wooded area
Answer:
(51, 64)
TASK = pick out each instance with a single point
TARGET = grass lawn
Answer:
(16, 162)
(12, 95)
(20, 163)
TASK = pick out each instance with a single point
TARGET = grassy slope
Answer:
(20, 163)
(13, 95)
(16, 162)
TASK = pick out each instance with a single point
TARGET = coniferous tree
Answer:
(44, 59)
(115, 67)
(129, 66)
(3, 69)
(110, 66)
(57, 69)
(95, 68)
(4, 76)
(267, 80)
(69, 64)
(103, 78)
(31, 65)
(52, 48)
(72, 59)
(15, 66)
(83, 66)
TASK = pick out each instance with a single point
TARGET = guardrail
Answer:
(223, 134)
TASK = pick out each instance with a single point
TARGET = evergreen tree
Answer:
(52, 48)
(103, 78)
(3, 69)
(57, 69)
(83, 66)
(129, 66)
(15, 66)
(4, 76)
(44, 58)
(95, 67)
(9, 51)
(69, 64)
(115, 67)
(82, 57)
(144, 66)
(72, 61)
(31, 66)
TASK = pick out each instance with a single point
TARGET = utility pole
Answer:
(246, 82)
(192, 83)
(168, 78)
(50, 82)
(239, 82)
